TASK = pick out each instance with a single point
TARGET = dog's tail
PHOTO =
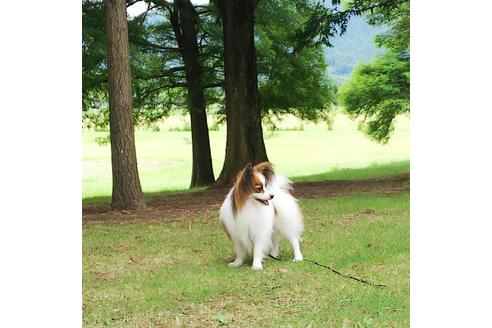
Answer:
(289, 215)
(283, 183)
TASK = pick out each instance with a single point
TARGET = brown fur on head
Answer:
(247, 181)
(265, 168)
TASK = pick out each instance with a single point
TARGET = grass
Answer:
(162, 274)
(370, 172)
(165, 156)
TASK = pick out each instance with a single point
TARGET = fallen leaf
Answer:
(221, 318)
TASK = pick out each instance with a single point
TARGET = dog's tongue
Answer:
(263, 201)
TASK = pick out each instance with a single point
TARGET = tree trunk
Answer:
(184, 26)
(244, 132)
(127, 192)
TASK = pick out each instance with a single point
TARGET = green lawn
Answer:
(163, 274)
(165, 157)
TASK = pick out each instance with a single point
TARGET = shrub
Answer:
(329, 119)
(97, 118)
(186, 127)
(102, 141)
(214, 127)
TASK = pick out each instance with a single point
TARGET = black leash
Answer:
(338, 273)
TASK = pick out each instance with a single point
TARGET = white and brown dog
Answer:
(257, 211)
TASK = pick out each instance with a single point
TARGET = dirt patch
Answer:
(365, 212)
(205, 204)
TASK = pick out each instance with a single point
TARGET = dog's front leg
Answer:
(241, 253)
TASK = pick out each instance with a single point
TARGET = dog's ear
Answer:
(265, 168)
(242, 188)
(246, 177)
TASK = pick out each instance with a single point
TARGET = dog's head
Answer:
(253, 183)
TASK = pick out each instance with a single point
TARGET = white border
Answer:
(40, 173)
(40, 232)
(451, 148)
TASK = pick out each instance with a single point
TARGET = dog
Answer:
(257, 211)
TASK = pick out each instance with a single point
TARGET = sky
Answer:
(139, 7)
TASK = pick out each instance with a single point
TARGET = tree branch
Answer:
(214, 85)
(131, 3)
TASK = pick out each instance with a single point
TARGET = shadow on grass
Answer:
(370, 172)
(99, 200)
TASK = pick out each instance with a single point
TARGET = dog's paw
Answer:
(298, 258)
(235, 264)
(257, 266)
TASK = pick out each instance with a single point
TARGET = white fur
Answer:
(255, 228)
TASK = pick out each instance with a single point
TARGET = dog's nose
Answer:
(271, 196)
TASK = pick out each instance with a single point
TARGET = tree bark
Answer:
(183, 21)
(245, 142)
(127, 192)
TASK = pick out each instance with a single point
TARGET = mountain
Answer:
(356, 45)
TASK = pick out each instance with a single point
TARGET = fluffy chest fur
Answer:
(252, 222)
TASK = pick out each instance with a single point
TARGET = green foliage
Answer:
(152, 95)
(96, 118)
(329, 119)
(214, 126)
(94, 64)
(290, 81)
(396, 38)
(378, 92)
(103, 141)
(185, 127)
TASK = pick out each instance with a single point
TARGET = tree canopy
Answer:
(290, 81)
(380, 91)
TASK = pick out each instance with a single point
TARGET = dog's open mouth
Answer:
(263, 201)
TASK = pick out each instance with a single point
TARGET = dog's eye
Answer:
(259, 189)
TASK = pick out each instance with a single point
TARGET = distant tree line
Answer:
(255, 59)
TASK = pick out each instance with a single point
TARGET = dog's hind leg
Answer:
(275, 250)
(297, 250)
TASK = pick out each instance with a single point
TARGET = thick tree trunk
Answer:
(184, 25)
(127, 192)
(244, 132)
